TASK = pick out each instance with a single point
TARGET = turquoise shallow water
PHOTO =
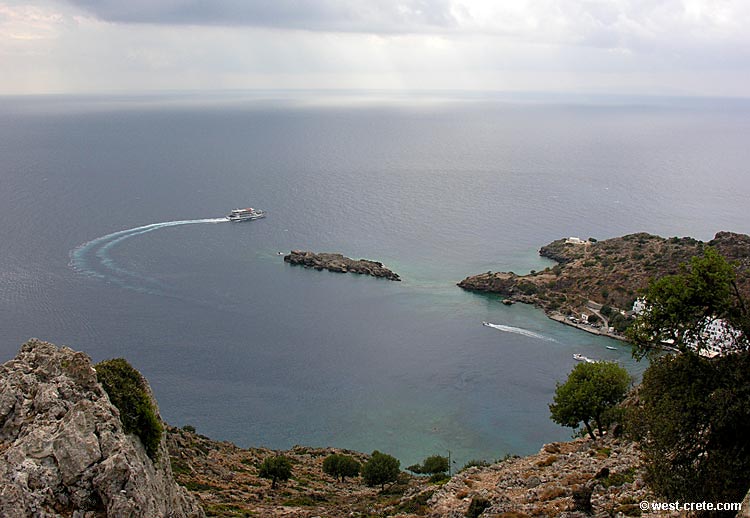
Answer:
(249, 349)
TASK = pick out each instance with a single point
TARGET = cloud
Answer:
(380, 16)
(689, 46)
(634, 25)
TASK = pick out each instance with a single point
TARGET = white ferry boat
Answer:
(246, 214)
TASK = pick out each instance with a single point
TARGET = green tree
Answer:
(693, 424)
(128, 391)
(380, 469)
(590, 392)
(432, 465)
(620, 322)
(681, 306)
(338, 465)
(277, 468)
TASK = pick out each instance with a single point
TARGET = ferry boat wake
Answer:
(93, 258)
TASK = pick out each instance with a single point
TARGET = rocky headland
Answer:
(593, 274)
(340, 264)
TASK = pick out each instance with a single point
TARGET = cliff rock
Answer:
(63, 451)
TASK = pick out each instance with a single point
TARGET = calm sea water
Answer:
(251, 350)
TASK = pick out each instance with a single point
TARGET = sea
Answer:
(112, 242)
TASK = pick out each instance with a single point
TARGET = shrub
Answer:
(618, 479)
(431, 465)
(416, 504)
(527, 288)
(127, 390)
(477, 507)
(439, 478)
(582, 499)
(620, 322)
(480, 463)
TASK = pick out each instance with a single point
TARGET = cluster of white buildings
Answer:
(716, 338)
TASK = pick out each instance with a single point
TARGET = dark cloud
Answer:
(389, 16)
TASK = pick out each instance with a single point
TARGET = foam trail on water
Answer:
(518, 331)
(92, 257)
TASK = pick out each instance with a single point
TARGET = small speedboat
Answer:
(611, 348)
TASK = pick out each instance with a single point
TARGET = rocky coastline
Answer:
(594, 283)
(340, 264)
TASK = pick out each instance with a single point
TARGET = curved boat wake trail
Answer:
(93, 258)
(518, 331)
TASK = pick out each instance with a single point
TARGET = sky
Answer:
(651, 47)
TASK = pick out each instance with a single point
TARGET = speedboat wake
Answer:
(518, 331)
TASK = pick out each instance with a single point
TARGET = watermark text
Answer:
(647, 505)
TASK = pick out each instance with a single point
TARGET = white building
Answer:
(639, 306)
(717, 337)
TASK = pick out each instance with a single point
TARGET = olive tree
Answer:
(380, 469)
(432, 465)
(338, 465)
(277, 468)
(591, 390)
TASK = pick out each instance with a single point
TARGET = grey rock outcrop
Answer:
(63, 452)
(340, 264)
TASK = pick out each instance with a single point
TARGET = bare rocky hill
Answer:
(226, 480)
(561, 480)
